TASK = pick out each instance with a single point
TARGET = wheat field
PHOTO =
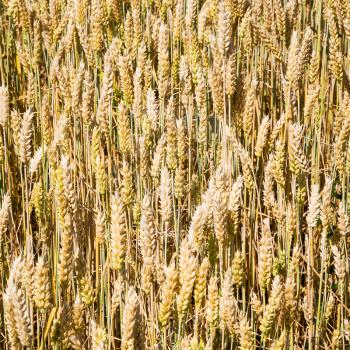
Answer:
(174, 174)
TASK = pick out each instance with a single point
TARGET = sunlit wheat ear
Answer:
(10, 321)
(76, 87)
(127, 187)
(101, 176)
(314, 207)
(169, 290)
(5, 213)
(129, 320)
(25, 137)
(10, 303)
(329, 308)
(171, 139)
(200, 96)
(279, 163)
(292, 60)
(152, 108)
(200, 283)
(128, 31)
(221, 205)
(216, 85)
(86, 290)
(165, 196)
(227, 304)
(78, 314)
(137, 102)
(256, 305)
(268, 194)
(17, 299)
(292, 12)
(60, 198)
(262, 136)
(180, 182)
(300, 58)
(231, 75)
(126, 78)
(69, 191)
(95, 146)
(314, 67)
(298, 161)
(281, 19)
(197, 234)
(28, 275)
(335, 59)
(36, 160)
(15, 120)
(326, 209)
(100, 222)
(118, 233)
(147, 242)
(277, 129)
(246, 169)
(42, 292)
(245, 334)
(163, 59)
(343, 220)
(245, 31)
(339, 267)
(238, 269)
(212, 304)
(272, 308)
(66, 251)
(280, 343)
(265, 255)
(266, 39)
(182, 143)
(311, 103)
(290, 298)
(186, 342)
(124, 132)
(158, 156)
(187, 267)
(87, 99)
(224, 28)
(336, 336)
(117, 293)
(98, 336)
(103, 104)
(4, 105)
(234, 202)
